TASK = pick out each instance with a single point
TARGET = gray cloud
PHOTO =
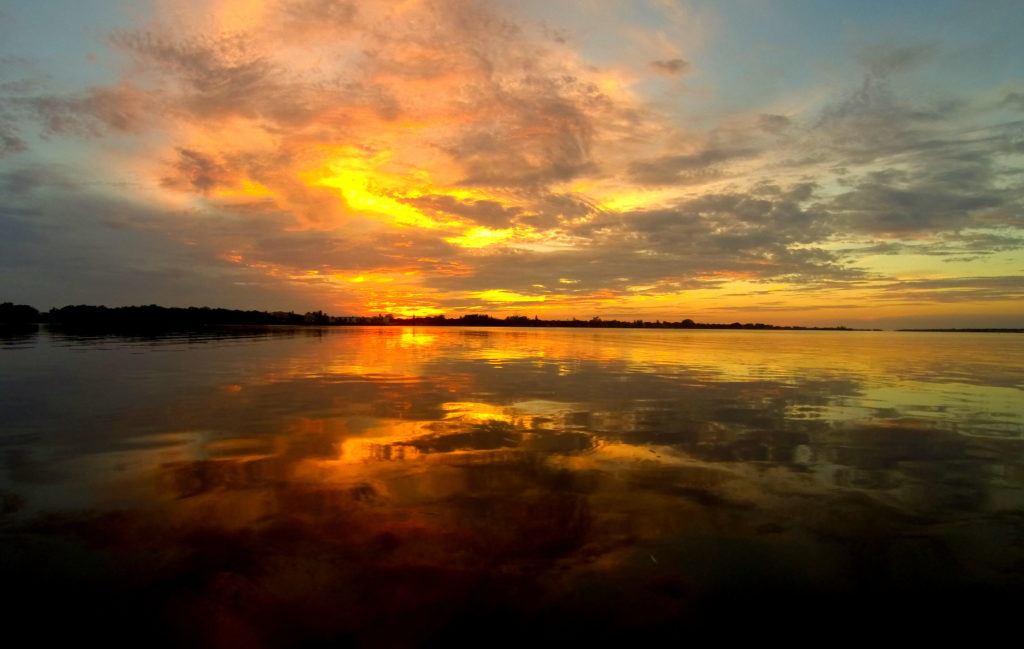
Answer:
(28, 104)
(62, 242)
(195, 170)
(684, 169)
(958, 246)
(773, 123)
(884, 59)
(702, 157)
(913, 169)
(697, 243)
(960, 289)
(10, 142)
(1013, 100)
(874, 120)
(670, 67)
(932, 194)
(489, 213)
(329, 15)
(895, 210)
(96, 111)
(216, 77)
(538, 131)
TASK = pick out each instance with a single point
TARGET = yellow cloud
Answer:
(500, 295)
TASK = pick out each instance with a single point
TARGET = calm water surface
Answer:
(395, 487)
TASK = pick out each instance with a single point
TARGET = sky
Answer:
(785, 161)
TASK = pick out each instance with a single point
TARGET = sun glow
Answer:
(246, 189)
(365, 188)
(368, 187)
(411, 157)
(481, 237)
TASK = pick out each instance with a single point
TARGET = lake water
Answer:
(396, 487)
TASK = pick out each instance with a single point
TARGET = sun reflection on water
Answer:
(362, 476)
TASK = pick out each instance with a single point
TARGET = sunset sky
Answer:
(785, 161)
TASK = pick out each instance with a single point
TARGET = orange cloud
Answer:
(429, 155)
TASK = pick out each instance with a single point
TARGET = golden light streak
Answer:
(481, 237)
(354, 174)
(500, 295)
(361, 179)
(245, 189)
(472, 411)
(415, 338)
(374, 278)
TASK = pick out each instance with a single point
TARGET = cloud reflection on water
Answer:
(392, 486)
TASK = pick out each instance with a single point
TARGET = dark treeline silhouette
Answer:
(481, 320)
(154, 316)
(18, 314)
(160, 317)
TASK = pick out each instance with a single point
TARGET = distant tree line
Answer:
(482, 320)
(154, 316)
(18, 313)
(999, 330)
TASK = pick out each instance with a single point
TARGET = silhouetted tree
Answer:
(18, 313)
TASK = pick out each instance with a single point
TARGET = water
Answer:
(398, 487)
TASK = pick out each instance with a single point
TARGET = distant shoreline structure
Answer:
(969, 330)
(154, 317)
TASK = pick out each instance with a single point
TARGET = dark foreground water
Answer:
(401, 487)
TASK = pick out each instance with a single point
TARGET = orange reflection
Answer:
(362, 474)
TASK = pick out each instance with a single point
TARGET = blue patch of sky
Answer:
(66, 40)
(762, 55)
